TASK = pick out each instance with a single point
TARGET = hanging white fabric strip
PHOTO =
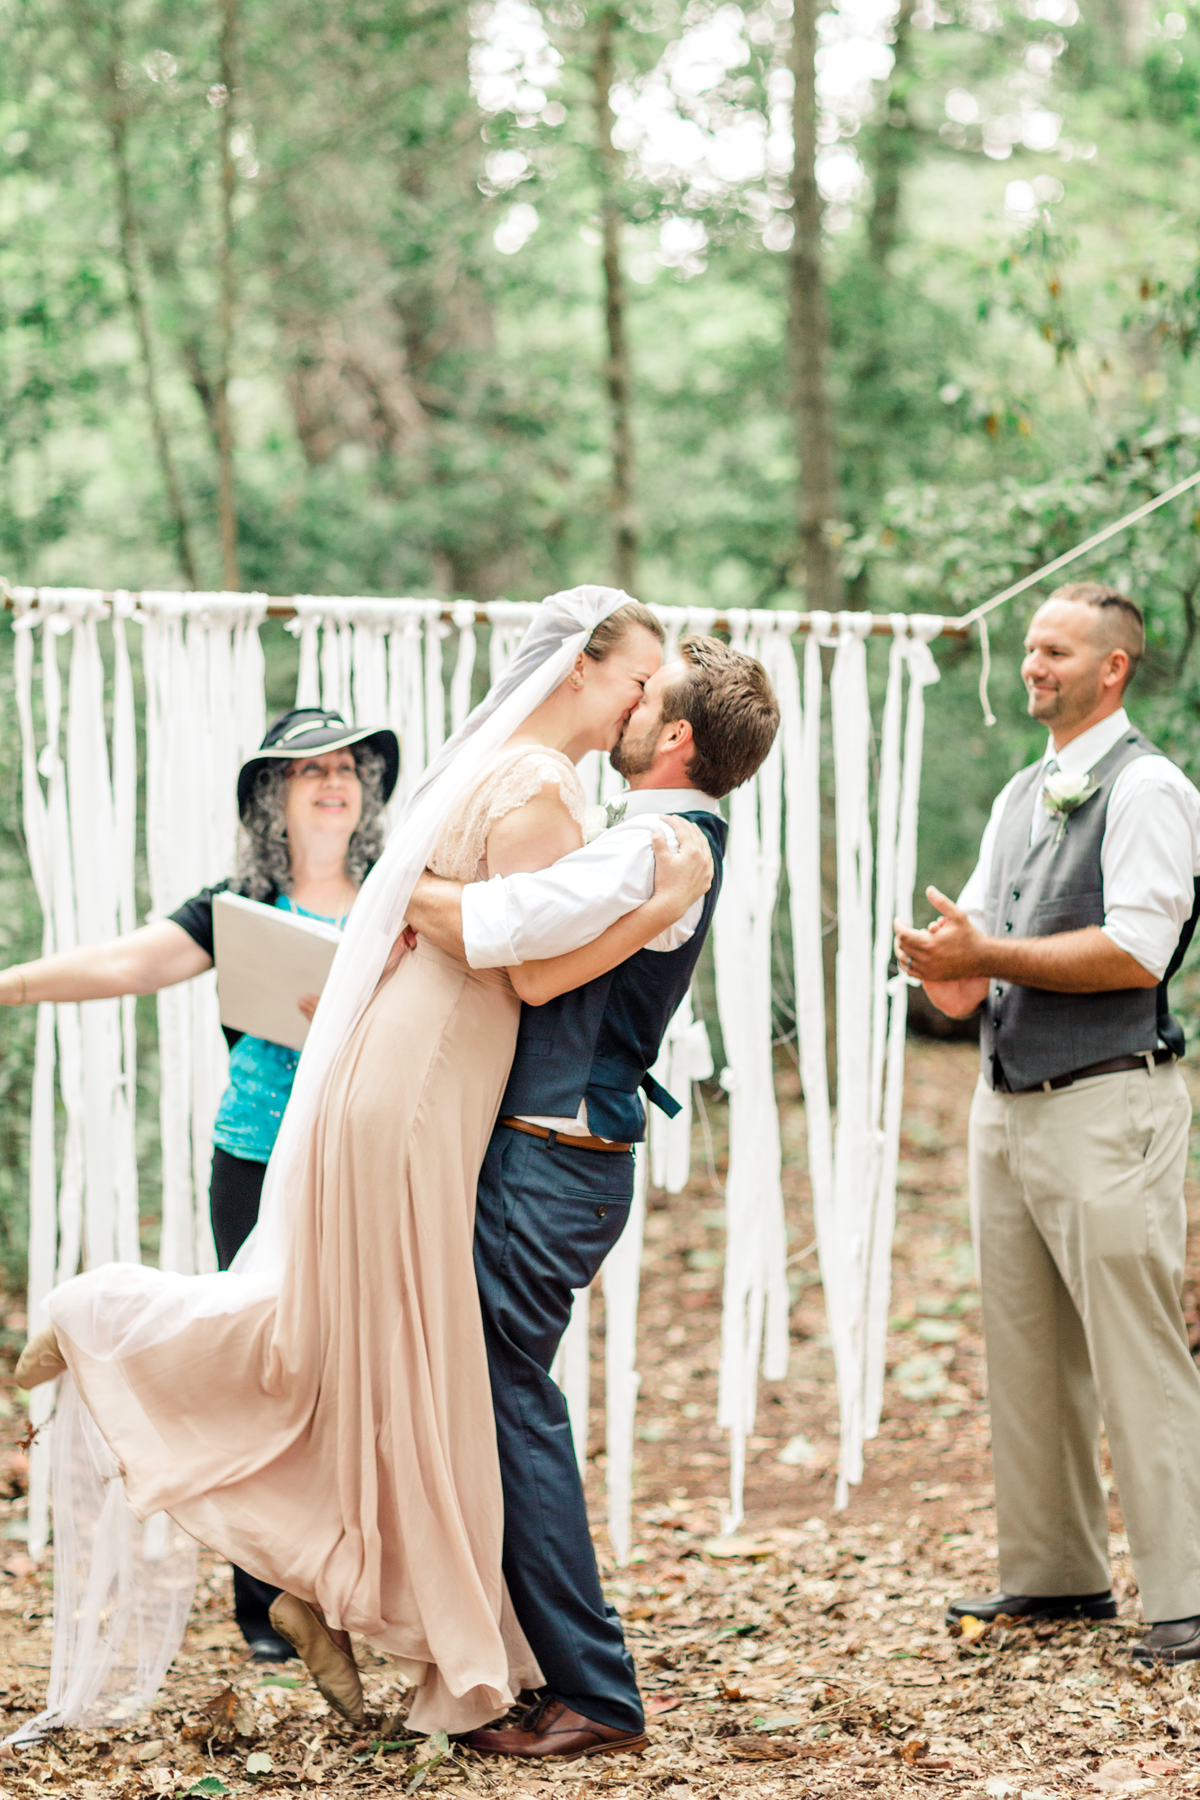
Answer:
(879, 1208)
(43, 1199)
(851, 762)
(922, 671)
(124, 791)
(93, 854)
(754, 1312)
(307, 627)
(464, 663)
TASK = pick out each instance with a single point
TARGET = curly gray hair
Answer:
(263, 863)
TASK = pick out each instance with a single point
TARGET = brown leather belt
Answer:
(567, 1139)
(1113, 1066)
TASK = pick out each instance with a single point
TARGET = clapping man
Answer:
(1080, 907)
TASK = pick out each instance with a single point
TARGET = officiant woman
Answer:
(311, 801)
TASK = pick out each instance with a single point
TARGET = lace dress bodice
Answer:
(508, 781)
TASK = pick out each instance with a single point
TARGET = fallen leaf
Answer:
(728, 1693)
(220, 1709)
(259, 1763)
(736, 1546)
(1119, 1777)
(147, 1752)
(971, 1629)
(760, 1749)
(661, 1703)
(781, 1720)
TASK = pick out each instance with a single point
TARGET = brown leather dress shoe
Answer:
(1170, 1641)
(552, 1729)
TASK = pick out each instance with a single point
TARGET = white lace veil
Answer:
(123, 1588)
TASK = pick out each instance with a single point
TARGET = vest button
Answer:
(602, 1212)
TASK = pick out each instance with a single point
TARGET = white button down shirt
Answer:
(519, 918)
(522, 918)
(1149, 855)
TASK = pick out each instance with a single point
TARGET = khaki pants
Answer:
(1077, 1198)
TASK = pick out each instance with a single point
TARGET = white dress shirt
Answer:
(521, 918)
(518, 918)
(1149, 855)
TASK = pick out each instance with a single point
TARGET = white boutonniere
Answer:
(1063, 794)
(598, 819)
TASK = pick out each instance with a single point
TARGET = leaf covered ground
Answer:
(807, 1654)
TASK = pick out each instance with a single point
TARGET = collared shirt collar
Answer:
(666, 800)
(1085, 751)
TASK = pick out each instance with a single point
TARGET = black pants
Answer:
(233, 1198)
(545, 1219)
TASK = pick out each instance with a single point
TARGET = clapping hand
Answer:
(947, 958)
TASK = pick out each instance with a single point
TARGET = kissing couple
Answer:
(359, 1411)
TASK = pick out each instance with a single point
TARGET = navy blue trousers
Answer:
(545, 1219)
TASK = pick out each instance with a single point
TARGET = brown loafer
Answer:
(327, 1654)
(40, 1360)
(552, 1729)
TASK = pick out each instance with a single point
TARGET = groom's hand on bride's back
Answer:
(684, 875)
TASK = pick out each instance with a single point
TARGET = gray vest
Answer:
(1032, 1035)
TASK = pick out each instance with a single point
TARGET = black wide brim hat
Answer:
(307, 731)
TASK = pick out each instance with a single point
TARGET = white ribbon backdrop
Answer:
(410, 664)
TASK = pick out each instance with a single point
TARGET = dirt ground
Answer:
(805, 1655)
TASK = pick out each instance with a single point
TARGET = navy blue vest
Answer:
(598, 1041)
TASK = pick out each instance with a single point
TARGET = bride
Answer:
(321, 1414)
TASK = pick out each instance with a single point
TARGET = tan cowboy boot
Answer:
(40, 1360)
(327, 1654)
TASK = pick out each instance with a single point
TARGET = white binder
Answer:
(267, 959)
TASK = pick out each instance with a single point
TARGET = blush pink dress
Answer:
(339, 1441)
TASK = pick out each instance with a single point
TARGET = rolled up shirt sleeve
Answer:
(1149, 860)
(523, 918)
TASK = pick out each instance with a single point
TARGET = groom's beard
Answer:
(634, 755)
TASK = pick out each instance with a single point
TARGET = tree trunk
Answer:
(127, 242)
(622, 511)
(893, 144)
(226, 506)
(818, 497)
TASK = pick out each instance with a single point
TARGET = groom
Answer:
(557, 1182)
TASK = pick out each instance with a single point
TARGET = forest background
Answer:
(880, 306)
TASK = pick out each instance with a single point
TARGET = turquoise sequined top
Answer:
(260, 1080)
